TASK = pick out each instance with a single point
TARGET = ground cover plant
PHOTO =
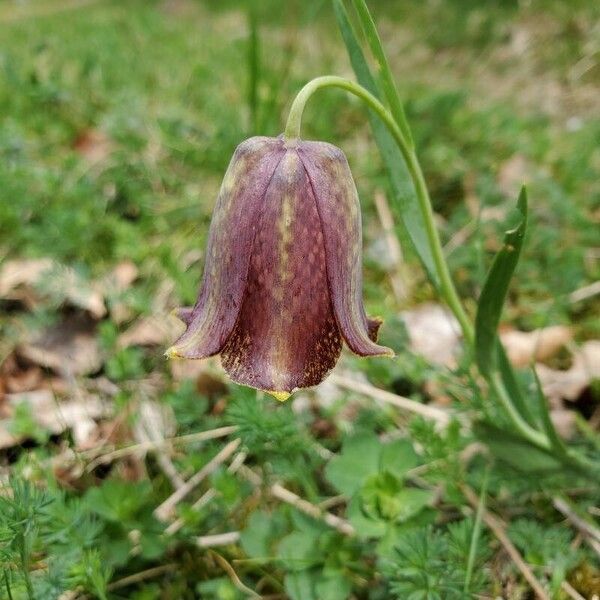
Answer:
(442, 473)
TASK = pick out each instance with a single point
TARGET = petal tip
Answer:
(280, 396)
(172, 353)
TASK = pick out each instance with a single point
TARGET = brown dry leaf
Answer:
(18, 273)
(77, 415)
(114, 284)
(19, 378)
(77, 291)
(570, 384)
(120, 278)
(93, 144)
(19, 279)
(69, 348)
(148, 331)
(564, 422)
(525, 348)
(434, 333)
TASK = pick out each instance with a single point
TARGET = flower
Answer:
(282, 279)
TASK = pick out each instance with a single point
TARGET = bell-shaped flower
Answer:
(282, 282)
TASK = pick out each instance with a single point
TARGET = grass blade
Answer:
(388, 85)
(495, 289)
(401, 183)
(512, 385)
(548, 425)
(476, 532)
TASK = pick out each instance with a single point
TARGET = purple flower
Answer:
(282, 279)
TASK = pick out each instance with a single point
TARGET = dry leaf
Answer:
(120, 278)
(21, 279)
(93, 144)
(564, 422)
(56, 417)
(434, 333)
(114, 284)
(570, 384)
(525, 348)
(79, 292)
(17, 273)
(69, 348)
(148, 331)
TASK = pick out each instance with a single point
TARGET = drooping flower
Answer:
(282, 282)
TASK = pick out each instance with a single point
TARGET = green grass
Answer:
(171, 87)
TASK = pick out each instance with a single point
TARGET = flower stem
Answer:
(292, 131)
(446, 284)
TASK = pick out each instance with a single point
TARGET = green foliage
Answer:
(431, 565)
(548, 548)
(171, 114)
(495, 289)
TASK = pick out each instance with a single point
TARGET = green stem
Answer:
(446, 284)
(292, 131)
(535, 437)
(476, 531)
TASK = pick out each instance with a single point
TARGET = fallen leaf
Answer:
(93, 144)
(148, 331)
(69, 348)
(564, 422)
(525, 348)
(434, 333)
(29, 280)
(56, 416)
(570, 384)
(118, 281)
(120, 278)
(21, 272)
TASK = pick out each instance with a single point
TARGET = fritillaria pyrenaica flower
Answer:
(282, 284)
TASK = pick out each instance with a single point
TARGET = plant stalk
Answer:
(446, 284)
(292, 131)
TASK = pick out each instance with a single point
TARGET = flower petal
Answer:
(286, 336)
(339, 212)
(230, 240)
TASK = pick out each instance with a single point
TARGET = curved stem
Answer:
(294, 121)
(535, 437)
(292, 131)
(446, 284)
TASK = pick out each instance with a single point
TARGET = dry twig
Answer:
(314, 511)
(429, 412)
(163, 511)
(239, 584)
(151, 446)
(141, 576)
(236, 463)
(219, 539)
(590, 533)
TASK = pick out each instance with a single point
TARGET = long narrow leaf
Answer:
(401, 183)
(547, 423)
(253, 67)
(512, 385)
(388, 85)
(495, 289)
